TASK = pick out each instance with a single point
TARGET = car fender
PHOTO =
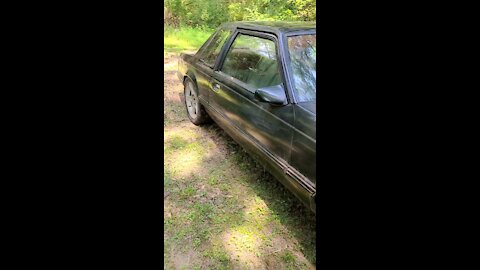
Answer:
(191, 75)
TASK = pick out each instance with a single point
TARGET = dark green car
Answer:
(257, 81)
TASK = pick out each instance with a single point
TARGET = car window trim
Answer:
(206, 44)
(265, 35)
(214, 35)
(205, 63)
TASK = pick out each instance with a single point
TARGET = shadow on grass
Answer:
(291, 213)
(206, 215)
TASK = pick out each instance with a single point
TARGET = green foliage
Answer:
(207, 14)
(185, 38)
(288, 257)
(196, 13)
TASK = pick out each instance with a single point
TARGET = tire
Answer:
(195, 110)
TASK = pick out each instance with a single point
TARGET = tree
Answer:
(211, 13)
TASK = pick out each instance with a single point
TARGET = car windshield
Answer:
(303, 59)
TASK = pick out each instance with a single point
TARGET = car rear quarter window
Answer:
(253, 60)
(209, 54)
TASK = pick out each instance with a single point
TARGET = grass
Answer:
(229, 215)
(221, 210)
(184, 39)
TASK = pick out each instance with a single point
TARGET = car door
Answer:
(251, 62)
(207, 57)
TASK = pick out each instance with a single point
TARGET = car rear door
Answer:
(251, 62)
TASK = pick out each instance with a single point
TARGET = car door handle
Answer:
(216, 87)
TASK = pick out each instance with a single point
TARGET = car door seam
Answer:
(307, 111)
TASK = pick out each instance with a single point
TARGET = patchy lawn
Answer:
(221, 210)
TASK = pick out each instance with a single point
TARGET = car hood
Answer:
(310, 106)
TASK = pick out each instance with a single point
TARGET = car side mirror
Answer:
(272, 94)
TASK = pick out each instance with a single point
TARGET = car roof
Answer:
(272, 26)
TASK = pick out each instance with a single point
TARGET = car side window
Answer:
(253, 60)
(210, 53)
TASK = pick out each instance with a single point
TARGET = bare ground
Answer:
(221, 210)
